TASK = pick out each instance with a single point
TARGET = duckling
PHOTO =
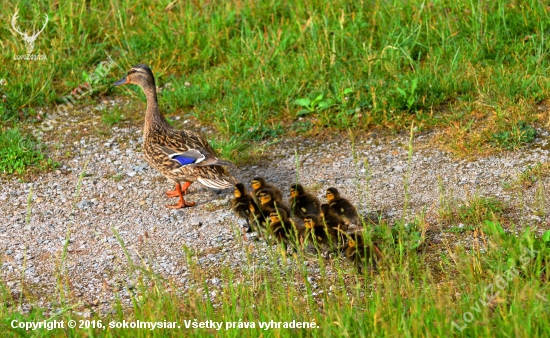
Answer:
(303, 203)
(341, 206)
(241, 204)
(268, 202)
(259, 183)
(283, 228)
(360, 253)
(257, 218)
(325, 238)
(332, 220)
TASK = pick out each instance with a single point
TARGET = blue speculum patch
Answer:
(184, 160)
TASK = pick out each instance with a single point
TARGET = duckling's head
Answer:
(265, 196)
(332, 194)
(140, 75)
(258, 182)
(240, 190)
(274, 216)
(310, 221)
(296, 190)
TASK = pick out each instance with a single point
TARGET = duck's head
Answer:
(274, 217)
(332, 194)
(296, 190)
(240, 190)
(310, 221)
(258, 182)
(265, 196)
(140, 75)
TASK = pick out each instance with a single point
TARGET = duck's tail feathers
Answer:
(218, 183)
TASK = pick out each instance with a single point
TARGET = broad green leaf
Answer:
(303, 102)
(317, 99)
(348, 91)
(414, 85)
(325, 104)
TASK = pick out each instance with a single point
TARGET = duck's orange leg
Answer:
(182, 203)
(175, 193)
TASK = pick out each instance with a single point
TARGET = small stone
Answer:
(84, 204)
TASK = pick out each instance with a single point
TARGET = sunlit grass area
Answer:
(476, 69)
(490, 289)
(486, 277)
(254, 72)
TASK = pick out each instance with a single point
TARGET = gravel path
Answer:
(120, 191)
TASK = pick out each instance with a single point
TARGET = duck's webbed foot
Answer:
(178, 191)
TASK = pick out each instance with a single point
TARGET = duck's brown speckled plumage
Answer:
(161, 140)
(179, 141)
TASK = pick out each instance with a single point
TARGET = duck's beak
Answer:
(122, 81)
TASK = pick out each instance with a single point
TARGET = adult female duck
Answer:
(182, 156)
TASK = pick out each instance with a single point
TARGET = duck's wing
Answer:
(193, 157)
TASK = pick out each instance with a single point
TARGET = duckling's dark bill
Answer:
(122, 81)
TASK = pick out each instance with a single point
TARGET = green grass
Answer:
(476, 69)
(112, 117)
(496, 286)
(470, 213)
(19, 153)
(495, 292)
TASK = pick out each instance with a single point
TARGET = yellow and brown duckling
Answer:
(182, 156)
(267, 202)
(323, 237)
(303, 203)
(241, 204)
(259, 183)
(361, 254)
(258, 219)
(283, 228)
(341, 207)
(332, 220)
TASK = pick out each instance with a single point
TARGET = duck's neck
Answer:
(154, 121)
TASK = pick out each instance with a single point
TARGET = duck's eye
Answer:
(132, 71)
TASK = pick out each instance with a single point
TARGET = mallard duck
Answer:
(360, 253)
(258, 218)
(324, 237)
(335, 223)
(241, 204)
(268, 202)
(283, 228)
(303, 203)
(331, 219)
(341, 206)
(259, 183)
(182, 156)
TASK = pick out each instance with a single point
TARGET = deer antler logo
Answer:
(29, 40)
